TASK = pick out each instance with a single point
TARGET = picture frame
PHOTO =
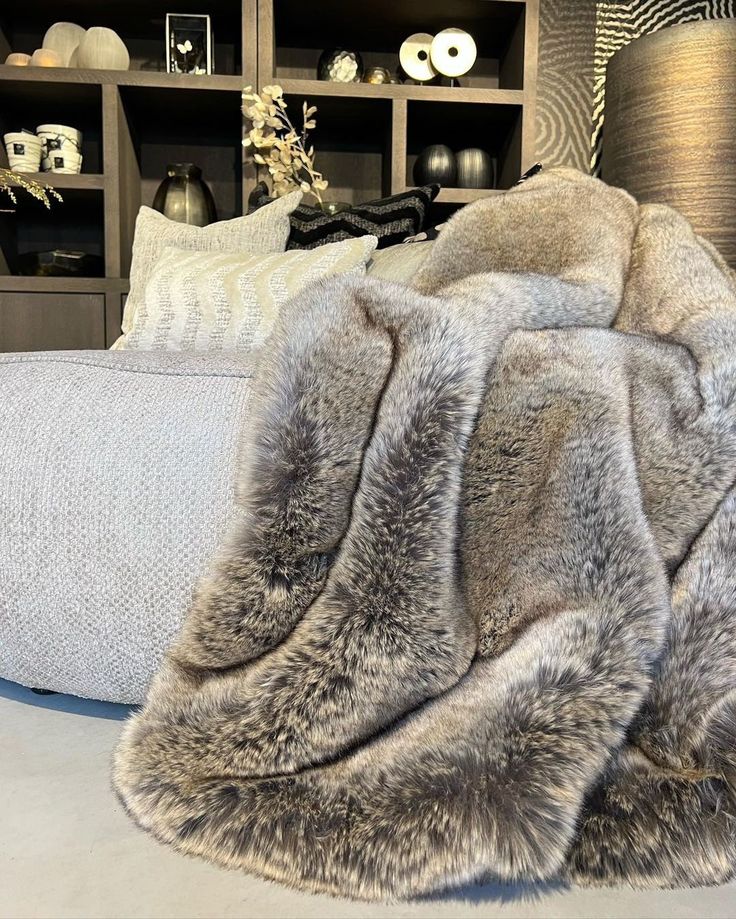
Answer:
(189, 43)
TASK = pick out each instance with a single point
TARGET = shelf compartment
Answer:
(141, 25)
(352, 146)
(296, 41)
(51, 321)
(201, 127)
(26, 104)
(77, 223)
(494, 128)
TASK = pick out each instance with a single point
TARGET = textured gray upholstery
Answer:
(116, 484)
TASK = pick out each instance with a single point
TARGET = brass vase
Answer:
(184, 196)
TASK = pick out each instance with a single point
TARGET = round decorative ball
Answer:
(436, 164)
(102, 49)
(339, 65)
(475, 169)
(377, 75)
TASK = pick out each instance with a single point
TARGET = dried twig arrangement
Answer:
(277, 144)
(42, 193)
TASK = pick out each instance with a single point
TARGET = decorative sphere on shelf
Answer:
(339, 65)
(436, 164)
(475, 169)
(377, 75)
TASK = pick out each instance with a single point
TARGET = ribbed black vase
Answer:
(184, 196)
(436, 164)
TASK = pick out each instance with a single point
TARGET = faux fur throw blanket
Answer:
(477, 619)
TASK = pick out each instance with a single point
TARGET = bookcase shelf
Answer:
(30, 77)
(136, 121)
(294, 38)
(493, 108)
(85, 181)
(495, 96)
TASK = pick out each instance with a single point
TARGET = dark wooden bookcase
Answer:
(136, 121)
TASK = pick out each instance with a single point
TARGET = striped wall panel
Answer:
(565, 82)
(576, 40)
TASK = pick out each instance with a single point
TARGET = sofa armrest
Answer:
(116, 484)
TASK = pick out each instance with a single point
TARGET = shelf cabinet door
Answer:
(51, 321)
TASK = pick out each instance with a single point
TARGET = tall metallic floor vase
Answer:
(670, 130)
(184, 196)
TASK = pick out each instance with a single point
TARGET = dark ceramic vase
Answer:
(475, 169)
(183, 196)
(436, 164)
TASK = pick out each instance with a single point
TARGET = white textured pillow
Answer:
(205, 301)
(266, 230)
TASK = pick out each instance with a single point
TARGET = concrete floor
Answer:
(67, 849)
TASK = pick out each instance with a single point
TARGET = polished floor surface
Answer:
(67, 849)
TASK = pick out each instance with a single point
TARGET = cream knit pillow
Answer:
(205, 301)
(267, 230)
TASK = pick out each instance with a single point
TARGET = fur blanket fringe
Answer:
(477, 619)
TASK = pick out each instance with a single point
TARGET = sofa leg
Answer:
(44, 692)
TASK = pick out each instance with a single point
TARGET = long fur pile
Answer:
(477, 618)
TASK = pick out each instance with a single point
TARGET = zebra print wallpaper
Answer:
(565, 81)
(576, 39)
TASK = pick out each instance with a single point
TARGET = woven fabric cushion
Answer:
(117, 484)
(259, 233)
(390, 219)
(204, 301)
(399, 263)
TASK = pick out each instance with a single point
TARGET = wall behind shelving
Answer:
(576, 40)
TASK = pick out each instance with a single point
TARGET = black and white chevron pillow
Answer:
(390, 219)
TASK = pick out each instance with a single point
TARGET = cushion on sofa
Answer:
(258, 233)
(214, 301)
(399, 263)
(390, 219)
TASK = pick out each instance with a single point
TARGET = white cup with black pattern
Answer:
(59, 139)
(24, 151)
(59, 161)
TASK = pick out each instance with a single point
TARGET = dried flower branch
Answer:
(277, 144)
(42, 193)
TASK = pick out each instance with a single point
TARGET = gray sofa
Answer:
(116, 483)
